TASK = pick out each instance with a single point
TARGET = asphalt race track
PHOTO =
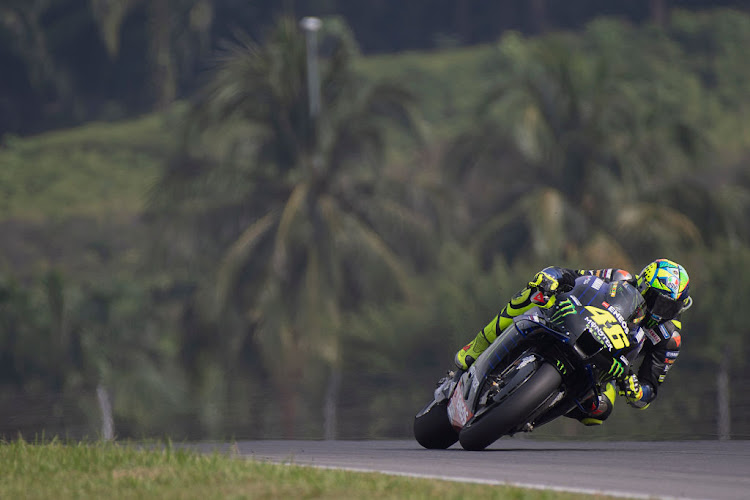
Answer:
(716, 470)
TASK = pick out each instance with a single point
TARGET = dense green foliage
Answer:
(232, 260)
(66, 62)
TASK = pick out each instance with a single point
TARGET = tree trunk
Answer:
(105, 408)
(660, 13)
(539, 21)
(463, 22)
(289, 412)
(160, 39)
(722, 400)
(330, 423)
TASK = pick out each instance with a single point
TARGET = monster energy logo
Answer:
(565, 307)
(616, 370)
(561, 367)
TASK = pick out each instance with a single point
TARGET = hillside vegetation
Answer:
(230, 260)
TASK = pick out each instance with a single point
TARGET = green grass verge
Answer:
(98, 470)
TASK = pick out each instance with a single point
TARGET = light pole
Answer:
(311, 26)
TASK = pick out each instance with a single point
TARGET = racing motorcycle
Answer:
(546, 364)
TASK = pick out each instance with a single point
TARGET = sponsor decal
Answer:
(575, 300)
(458, 411)
(617, 369)
(668, 361)
(639, 335)
(525, 361)
(538, 298)
(677, 338)
(652, 336)
(474, 378)
(560, 366)
(664, 332)
(598, 407)
(565, 308)
(608, 326)
(617, 315)
(613, 289)
(597, 332)
(673, 354)
(672, 281)
(597, 284)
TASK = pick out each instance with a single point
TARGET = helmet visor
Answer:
(662, 307)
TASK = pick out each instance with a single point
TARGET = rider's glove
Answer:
(552, 280)
(545, 284)
(631, 388)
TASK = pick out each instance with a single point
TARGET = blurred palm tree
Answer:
(323, 224)
(178, 33)
(33, 30)
(568, 132)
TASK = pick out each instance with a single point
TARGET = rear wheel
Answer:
(432, 428)
(513, 411)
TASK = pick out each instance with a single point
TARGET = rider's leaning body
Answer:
(661, 327)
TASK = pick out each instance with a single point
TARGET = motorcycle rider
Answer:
(664, 285)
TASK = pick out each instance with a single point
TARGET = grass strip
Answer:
(58, 470)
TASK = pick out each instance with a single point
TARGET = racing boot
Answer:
(600, 409)
(471, 351)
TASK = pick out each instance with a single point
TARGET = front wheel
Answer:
(512, 412)
(432, 427)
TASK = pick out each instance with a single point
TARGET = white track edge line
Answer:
(493, 482)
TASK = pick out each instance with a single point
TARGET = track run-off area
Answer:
(715, 470)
